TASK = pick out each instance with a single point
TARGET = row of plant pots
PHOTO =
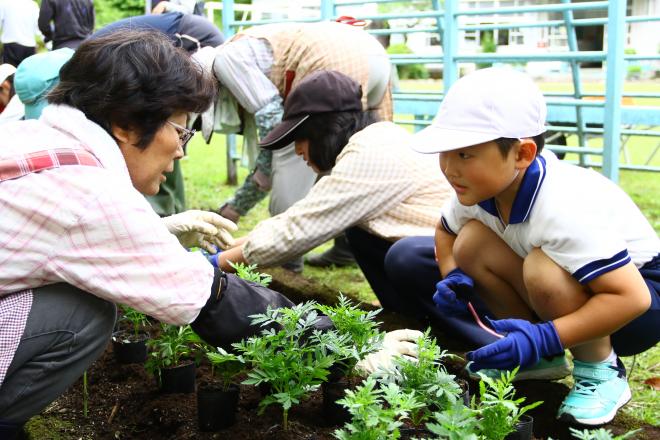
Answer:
(280, 362)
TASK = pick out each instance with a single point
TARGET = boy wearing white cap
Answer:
(559, 254)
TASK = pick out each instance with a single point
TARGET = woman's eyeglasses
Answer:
(184, 133)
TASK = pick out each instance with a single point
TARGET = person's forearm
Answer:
(233, 255)
(444, 250)
(621, 296)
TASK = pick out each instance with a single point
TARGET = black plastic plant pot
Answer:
(179, 379)
(216, 408)
(335, 413)
(408, 432)
(524, 429)
(129, 348)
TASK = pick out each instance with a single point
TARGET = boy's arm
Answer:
(444, 246)
(620, 295)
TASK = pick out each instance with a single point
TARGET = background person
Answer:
(257, 69)
(11, 107)
(81, 236)
(374, 187)
(18, 21)
(66, 22)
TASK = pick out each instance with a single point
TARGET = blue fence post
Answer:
(327, 9)
(616, 32)
(449, 45)
(577, 83)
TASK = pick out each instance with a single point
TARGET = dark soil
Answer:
(124, 403)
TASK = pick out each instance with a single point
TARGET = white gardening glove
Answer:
(396, 343)
(204, 229)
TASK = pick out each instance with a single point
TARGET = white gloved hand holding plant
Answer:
(396, 343)
(204, 229)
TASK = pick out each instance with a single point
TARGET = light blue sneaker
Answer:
(600, 389)
(553, 368)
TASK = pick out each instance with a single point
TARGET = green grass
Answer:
(205, 176)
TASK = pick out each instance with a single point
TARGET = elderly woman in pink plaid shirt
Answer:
(77, 234)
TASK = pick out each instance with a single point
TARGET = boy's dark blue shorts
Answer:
(644, 332)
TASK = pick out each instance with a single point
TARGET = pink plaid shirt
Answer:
(86, 226)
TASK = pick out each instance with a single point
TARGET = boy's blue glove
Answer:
(455, 283)
(524, 344)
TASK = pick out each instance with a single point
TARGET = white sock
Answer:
(611, 358)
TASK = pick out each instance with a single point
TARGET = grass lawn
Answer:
(205, 176)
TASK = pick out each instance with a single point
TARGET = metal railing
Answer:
(575, 113)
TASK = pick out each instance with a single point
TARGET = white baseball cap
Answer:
(483, 106)
(6, 70)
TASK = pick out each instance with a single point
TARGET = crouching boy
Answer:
(560, 255)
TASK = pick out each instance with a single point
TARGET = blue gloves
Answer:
(213, 258)
(524, 344)
(455, 283)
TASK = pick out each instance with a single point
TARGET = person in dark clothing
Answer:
(72, 21)
(191, 32)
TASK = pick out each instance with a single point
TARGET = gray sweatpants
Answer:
(67, 329)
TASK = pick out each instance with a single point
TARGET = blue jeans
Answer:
(67, 329)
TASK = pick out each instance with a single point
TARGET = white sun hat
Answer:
(483, 106)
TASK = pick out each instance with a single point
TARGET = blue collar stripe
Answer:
(526, 196)
(445, 225)
(596, 268)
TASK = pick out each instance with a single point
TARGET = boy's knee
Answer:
(545, 281)
(468, 244)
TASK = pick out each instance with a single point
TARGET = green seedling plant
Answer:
(139, 321)
(600, 434)
(226, 366)
(250, 273)
(426, 377)
(358, 328)
(499, 410)
(376, 413)
(174, 344)
(458, 422)
(290, 355)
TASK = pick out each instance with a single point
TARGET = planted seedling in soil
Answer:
(499, 410)
(458, 422)
(427, 377)
(250, 273)
(129, 346)
(376, 413)
(216, 407)
(361, 330)
(290, 357)
(170, 351)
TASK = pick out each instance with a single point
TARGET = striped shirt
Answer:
(378, 183)
(88, 227)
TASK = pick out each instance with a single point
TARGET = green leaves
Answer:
(377, 413)
(138, 320)
(173, 344)
(250, 273)
(600, 434)
(226, 365)
(290, 355)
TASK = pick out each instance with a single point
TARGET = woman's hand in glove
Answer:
(396, 343)
(204, 229)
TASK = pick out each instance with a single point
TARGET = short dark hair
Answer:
(505, 144)
(328, 134)
(135, 80)
(10, 79)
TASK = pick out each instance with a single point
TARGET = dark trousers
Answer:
(67, 329)
(14, 53)
(403, 276)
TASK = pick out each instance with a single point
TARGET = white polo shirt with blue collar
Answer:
(581, 220)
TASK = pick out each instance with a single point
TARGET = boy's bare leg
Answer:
(496, 270)
(553, 292)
